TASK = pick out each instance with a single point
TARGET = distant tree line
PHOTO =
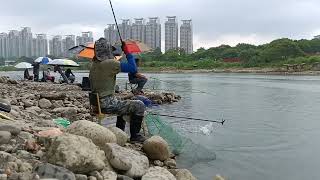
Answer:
(250, 55)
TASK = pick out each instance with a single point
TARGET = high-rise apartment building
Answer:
(153, 33)
(125, 29)
(14, 47)
(69, 42)
(4, 45)
(138, 30)
(111, 34)
(186, 36)
(171, 33)
(85, 38)
(41, 45)
(25, 42)
(56, 46)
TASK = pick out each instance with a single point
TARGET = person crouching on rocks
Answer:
(102, 77)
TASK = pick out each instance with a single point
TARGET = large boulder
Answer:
(131, 161)
(5, 137)
(121, 136)
(76, 153)
(155, 173)
(156, 148)
(14, 130)
(98, 134)
(44, 103)
(47, 170)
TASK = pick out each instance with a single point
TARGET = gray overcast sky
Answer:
(215, 22)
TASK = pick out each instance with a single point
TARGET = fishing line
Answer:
(189, 118)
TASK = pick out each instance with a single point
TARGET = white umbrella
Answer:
(63, 62)
(23, 65)
(43, 60)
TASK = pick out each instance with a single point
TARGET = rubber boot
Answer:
(121, 124)
(135, 127)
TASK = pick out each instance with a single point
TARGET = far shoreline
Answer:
(265, 71)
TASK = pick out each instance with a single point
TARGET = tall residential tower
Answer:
(139, 30)
(186, 36)
(153, 33)
(171, 33)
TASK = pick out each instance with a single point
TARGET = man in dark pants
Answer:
(102, 77)
(36, 68)
(137, 78)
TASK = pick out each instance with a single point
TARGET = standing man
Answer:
(102, 76)
(36, 68)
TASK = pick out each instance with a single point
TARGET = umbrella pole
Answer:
(115, 19)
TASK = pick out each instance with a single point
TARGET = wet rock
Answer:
(11, 128)
(47, 170)
(134, 163)
(158, 163)
(76, 153)
(184, 174)
(81, 177)
(97, 175)
(171, 163)
(109, 175)
(97, 133)
(156, 148)
(121, 136)
(44, 103)
(53, 96)
(155, 173)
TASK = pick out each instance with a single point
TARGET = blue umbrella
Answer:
(43, 60)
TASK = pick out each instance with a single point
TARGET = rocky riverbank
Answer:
(32, 146)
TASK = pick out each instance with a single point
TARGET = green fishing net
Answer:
(180, 145)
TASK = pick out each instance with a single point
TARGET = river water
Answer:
(272, 122)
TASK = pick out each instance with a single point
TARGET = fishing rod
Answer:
(115, 20)
(190, 118)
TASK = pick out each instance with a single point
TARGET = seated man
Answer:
(48, 75)
(137, 78)
(102, 77)
(71, 77)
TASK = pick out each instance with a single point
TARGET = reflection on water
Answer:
(272, 128)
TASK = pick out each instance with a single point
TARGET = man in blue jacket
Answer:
(102, 76)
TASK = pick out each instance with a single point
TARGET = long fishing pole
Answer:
(189, 118)
(115, 20)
